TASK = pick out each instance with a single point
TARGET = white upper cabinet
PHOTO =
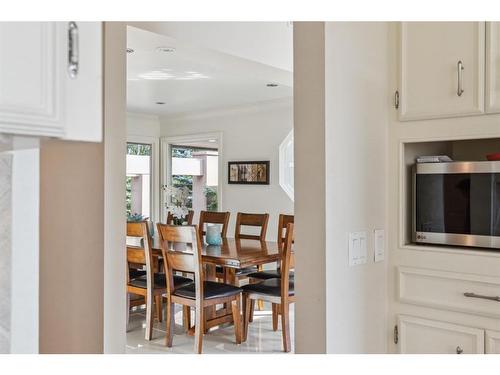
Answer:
(39, 93)
(441, 69)
(492, 102)
(424, 336)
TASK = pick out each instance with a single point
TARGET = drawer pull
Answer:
(474, 295)
(460, 68)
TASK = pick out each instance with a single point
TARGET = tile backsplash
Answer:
(5, 249)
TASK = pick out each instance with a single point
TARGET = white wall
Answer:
(143, 125)
(341, 119)
(115, 76)
(249, 133)
(356, 80)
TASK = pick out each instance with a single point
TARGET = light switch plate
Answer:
(379, 241)
(357, 248)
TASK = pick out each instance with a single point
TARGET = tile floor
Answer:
(219, 340)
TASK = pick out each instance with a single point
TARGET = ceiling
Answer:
(195, 78)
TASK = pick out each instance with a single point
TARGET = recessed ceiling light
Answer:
(160, 103)
(165, 49)
(130, 50)
(272, 85)
(212, 140)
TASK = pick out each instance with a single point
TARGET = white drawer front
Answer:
(445, 290)
(492, 342)
(423, 336)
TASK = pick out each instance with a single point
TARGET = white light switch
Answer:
(379, 245)
(357, 248)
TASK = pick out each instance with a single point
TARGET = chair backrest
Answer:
(209, 217)
(283, 222)
(140, 254)
(181, 249)
(254, 220)
(189, 218)
(287, 260)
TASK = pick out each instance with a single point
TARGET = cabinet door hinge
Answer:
(396, 334)
(396, 99)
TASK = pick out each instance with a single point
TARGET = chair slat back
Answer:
(287, 261)
(173, 237)
(189, 218)
(137, 254)
(209, 217)
(283, 221)
(253, 220)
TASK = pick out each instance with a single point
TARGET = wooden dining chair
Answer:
(150, 285)
(189, 218)
(280, 292)
(199, 294)
(283, 222)
(251, 220)
(210, 217)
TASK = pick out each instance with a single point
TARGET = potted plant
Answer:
(176, 203)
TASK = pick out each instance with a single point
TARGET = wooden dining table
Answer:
(232, 254)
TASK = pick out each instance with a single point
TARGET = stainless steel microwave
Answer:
(457, 203)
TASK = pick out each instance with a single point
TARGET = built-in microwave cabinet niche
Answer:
(444, 72)
(459, 150)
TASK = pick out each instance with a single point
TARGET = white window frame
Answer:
(283, 161)
(166, 162)
(155, 172)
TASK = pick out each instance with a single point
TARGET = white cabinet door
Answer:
(83, 92)
(492, 100)
(438, 61)
(423, 336)
(492, 342)
(30, 79)
(37, 94)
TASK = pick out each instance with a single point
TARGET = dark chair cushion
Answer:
(160, 281)
(271, 287)
(266, 275)
(211, 289)
(134, 273)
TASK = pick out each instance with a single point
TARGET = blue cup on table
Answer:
(213, 236)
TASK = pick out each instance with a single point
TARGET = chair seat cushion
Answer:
(271, 287)
(134, 273)
(211, 289)
(266, 275)
(160, 281)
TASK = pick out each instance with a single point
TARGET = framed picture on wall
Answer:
(248, 172)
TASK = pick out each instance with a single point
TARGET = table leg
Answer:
(210, 275)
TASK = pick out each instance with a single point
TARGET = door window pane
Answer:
(138, 181)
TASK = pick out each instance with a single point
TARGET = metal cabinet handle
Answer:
(73, 50)
(460, 69)
(459, 350)
(474, 295)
